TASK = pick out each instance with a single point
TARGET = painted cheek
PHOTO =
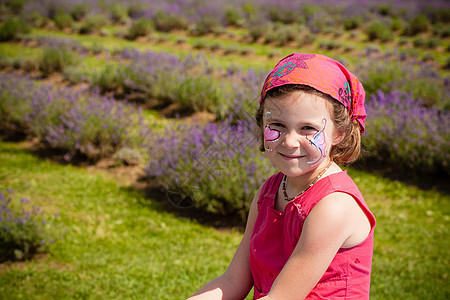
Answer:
(319, 142)
(271, 136)
(316, 147)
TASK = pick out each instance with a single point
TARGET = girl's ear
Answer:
(340, 135)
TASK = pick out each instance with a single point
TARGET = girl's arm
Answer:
(336, 221)
(237, 280)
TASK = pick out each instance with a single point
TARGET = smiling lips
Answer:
(290, 157)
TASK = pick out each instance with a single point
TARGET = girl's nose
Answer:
(292, 140)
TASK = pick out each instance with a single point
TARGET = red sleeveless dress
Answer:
(276, 234)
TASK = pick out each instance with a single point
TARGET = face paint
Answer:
(319, 141)
(270, 135)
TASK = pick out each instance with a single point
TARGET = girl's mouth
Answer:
(290, 157)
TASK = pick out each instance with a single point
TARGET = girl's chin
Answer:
(294, 172)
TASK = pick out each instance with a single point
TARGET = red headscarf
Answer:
(323, 74)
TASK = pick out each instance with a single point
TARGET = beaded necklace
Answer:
(283, 183)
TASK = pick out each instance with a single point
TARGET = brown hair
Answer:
(347, 150)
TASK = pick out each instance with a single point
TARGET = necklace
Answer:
(283, 182)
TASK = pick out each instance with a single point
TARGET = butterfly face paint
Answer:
(270, 135)
(319, 142)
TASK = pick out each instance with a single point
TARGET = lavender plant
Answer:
(23, 229)
(192, 82)
(75, 121)
(402, 132)
(217, 166)
(386, 73)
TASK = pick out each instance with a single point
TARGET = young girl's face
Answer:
(298, 132)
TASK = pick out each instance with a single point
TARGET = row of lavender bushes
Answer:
(238, 12)
(195, 84)
(24, 231)
(269, 22)
(190, 82)
(74, 121)
(218, 164)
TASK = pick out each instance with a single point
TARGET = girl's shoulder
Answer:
(339, 189)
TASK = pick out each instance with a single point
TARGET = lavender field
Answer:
(167, 90)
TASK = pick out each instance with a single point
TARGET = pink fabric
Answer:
(325, 75)
(276, 234)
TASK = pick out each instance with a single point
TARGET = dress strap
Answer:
(269, 190)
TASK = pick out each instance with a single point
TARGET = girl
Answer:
(309, 232)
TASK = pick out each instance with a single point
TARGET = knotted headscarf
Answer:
(323, 74)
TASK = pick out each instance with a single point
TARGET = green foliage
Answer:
(384, 9)
(23, 232)
(136, 10)
(310, 9)
(417, 25)
(199, 94)
(63, 20)
(234, 18)
(396, 23)
(139, 28)
(306, 38)
(118, 13)
(169, 22)
(206, 25)
(351, 23)
(93, 23)
(12, 27)
(447, 64)
(55, 60)
(79, 11)
(15, 6)
(75, 74)
(257, 31)
(330, 45)
(281, 35)
(377, 30)
(282, 15)
(200, 44)
(108, 78)
(128, 156)
(431, 43)
(37, 19)
(441, 30)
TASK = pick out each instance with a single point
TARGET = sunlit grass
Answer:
(118, 243)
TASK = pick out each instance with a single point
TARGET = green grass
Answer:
(15, 50)
(120, 244)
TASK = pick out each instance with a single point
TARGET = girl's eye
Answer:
(308, 130)
(278, 125)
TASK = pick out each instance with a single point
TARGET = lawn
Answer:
(121, 244)
(118, 244)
